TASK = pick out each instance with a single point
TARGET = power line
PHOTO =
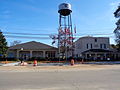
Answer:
(24, 33)
(29, 37)
(54, 34)
(44, 36)
(95, 34)
(80, 28)
(12, 36)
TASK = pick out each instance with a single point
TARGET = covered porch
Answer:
(32, 49)
(27, 54)
(97, 54)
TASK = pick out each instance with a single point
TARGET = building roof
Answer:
(92, 37)
(87, 37)
(33, 45)
(97, 50)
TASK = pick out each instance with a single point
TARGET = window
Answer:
(76, 55)
(91, 46)
(87, 46)
(101, 46)
(104, 46)
(95, 39)
(50, 53)
(11, 55)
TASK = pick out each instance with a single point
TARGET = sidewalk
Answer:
(11, 64)
(104, 62)
(56, 68)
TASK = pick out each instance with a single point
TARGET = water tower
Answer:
(65, 33)
(64, 9)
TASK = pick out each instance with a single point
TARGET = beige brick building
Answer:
(92, 47)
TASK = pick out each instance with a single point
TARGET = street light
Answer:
(21, 55)
(21, 49)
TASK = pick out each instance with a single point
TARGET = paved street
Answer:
(98, 79)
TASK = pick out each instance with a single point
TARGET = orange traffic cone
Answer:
(72, 62)
(82, 62)
(6, 61)
(35, 63)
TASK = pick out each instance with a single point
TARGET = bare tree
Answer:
(15, 43)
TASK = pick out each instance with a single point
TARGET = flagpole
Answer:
(74, 33)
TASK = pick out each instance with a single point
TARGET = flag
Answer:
(71, 38)
(75, 29)
(53, 42)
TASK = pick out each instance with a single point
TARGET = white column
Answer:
(17, 54)
(56, 55)
(30, 53)
(43, 53)
(105, 55)
(85, 55)
(95, 56)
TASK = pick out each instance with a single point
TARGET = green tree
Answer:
(117, 30)
(118, 47)
(113, 46)
(3, 45)
(117, 34)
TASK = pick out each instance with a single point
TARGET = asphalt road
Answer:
(61, 80)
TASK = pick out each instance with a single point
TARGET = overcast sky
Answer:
(91, 17)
